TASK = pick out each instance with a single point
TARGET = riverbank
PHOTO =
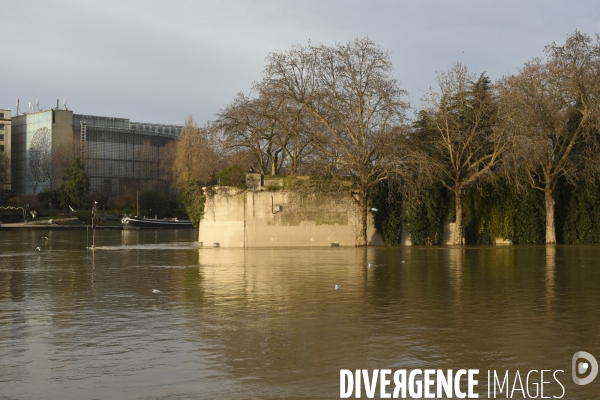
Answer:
(48, 226)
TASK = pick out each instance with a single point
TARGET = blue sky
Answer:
(159, 61)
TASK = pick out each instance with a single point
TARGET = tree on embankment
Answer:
(356, 108)
(459, 137)
(557, 113)
(269, 127)
(194, 163)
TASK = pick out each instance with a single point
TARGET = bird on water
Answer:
(38, 249)
(337, 286)
(156, 291)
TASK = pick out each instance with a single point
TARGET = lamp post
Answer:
(25, 213)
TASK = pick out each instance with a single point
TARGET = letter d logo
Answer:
(583, 367)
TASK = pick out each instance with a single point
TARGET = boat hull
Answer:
(145, 223)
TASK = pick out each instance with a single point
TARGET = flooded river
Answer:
(270, 323)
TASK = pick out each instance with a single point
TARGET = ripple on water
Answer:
(267, 323)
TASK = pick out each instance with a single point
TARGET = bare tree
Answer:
(461, 135)
(196, 159)
(291, 127)
(355, 105)
(251, 123)
(557, 109)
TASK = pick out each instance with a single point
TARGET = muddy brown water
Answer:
(269, 323)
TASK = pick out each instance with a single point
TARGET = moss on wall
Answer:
(324, 217)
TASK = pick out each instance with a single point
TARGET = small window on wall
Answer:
(2, 136)
(2, 115)
(1, 127)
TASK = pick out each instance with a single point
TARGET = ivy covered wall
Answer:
(388, 217)
(425, 216)
(491, 213)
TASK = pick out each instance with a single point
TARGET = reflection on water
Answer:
(268, 323)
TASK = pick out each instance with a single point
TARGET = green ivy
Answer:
(193, 199)
(425, 216)
(388, 217)
(529, 217)
(233, 176)
(582, 215)
(493, 212)
(502, 212)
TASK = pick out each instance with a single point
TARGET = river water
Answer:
(270, 324)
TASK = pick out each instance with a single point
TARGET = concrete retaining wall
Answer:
(287, 218)
(246, 218)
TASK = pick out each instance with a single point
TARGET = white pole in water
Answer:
(94, 225)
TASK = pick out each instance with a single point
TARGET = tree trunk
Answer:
(294, 166)
(458, 225)
(361, 229)
(550, 228)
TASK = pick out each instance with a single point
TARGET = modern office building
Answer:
(120, 156)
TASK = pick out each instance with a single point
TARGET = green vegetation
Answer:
(388, 217)
(425, 216)
(500, 212)
(75, 186)
(153, 204)
(193, 198)
(582, 215)
(516, 158)
(233, 176)
(49, 198)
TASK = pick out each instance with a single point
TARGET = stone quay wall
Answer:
(280, 218)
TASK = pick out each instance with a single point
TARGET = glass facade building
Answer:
(25, 179)
(5, 149)
(120, 156)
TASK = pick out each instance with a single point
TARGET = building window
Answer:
(2, 115)
(1, 127)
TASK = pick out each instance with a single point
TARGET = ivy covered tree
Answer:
(425, 216)
(386, 206)
(458, 136)
(556, 110)
(582, 219)
(75, 186)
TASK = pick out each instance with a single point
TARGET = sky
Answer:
(160, 61)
